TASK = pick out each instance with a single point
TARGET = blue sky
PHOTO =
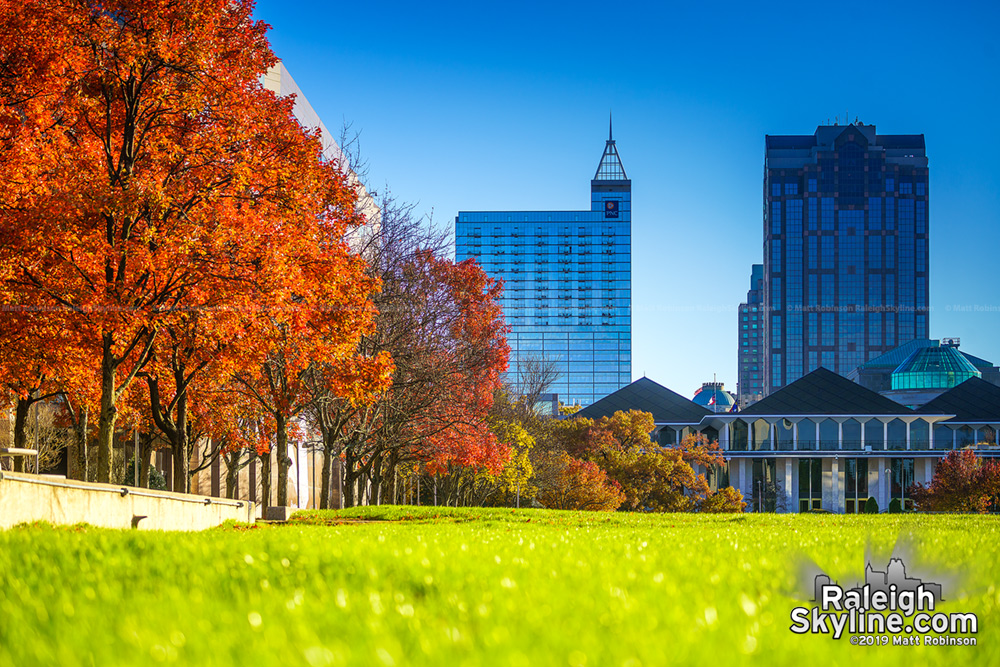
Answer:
(504, 106)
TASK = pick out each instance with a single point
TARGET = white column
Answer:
(835, 485)
(908, 422)
(791, 492)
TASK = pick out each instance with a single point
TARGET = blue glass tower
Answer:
(845, 249)
(567, 283)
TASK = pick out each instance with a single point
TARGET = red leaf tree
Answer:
(963, 482)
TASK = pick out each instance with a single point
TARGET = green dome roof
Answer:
(934, 368)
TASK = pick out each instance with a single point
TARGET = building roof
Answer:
(667, 407)
(893, 358)
(610, 168)
(789, 142)
(823, 392)
(975, 400)
(915, 141)
(981, 364)
(933, 368)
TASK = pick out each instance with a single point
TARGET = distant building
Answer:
(567, 283)
(823, 442)
(713, 396)
(922, 369)
(845, 249)
(750, 383)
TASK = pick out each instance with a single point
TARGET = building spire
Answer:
(610, 168)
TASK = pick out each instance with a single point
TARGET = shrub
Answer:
(157, 481)
(727, 500)
(895, 506)
(871, 506)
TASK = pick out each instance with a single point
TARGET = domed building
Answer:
(928, 372)
(713, 396)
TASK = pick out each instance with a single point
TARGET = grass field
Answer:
(433, 586)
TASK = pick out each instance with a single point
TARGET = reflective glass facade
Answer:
(567, 283)
(845, 249)
(934, 368)
(750, 386)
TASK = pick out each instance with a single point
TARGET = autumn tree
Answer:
(151, 176)
(962, 482)
(579, 485)
(441, 323)
(509, 485)
(651, 477)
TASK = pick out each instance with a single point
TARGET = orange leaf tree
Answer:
(152, 176)
(652, 478)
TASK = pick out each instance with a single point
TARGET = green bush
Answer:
(895, 506)
(157, 481)
(871, 506)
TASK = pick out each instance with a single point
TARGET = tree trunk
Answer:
(349, 478)
(324, 501)
(21, 411)
(181, 448)
(109, 414)
(80, 433)
(265, 481)
(232, 460)
(281, 425)
(181, 459)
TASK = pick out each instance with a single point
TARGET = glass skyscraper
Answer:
(845, 249)
(750, 387)
(567, 283)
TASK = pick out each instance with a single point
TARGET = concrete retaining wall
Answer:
(25, 498)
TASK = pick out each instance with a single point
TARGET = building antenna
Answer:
(610, 137)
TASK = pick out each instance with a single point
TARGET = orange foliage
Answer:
(161, 205)
(580, 485)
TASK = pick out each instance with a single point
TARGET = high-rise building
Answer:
(750, 383)
(845, 249)
(567, 283)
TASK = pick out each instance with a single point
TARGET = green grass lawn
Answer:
(437, 586)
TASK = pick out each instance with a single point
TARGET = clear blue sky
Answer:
(504, 106)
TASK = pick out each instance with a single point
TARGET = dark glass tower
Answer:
(567, 283)
(750, 387)
(845, 249)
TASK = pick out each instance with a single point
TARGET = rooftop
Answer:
(666, 406)
(975, 400)
(823, 392)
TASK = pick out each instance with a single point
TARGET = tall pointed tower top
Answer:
(610, 168)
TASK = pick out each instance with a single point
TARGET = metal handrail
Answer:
(125, 491)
